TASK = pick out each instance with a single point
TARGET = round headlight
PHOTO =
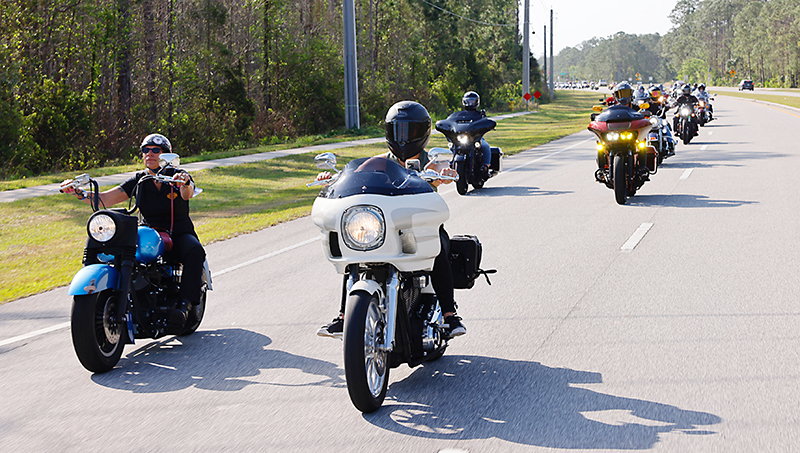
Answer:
(685, 111)
(363, 227)
(463, 139)
(102, 228)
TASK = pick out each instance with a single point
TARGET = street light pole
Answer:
(526, 52)
(351, 114)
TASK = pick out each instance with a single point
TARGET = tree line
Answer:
(81, 81)
(711, 41)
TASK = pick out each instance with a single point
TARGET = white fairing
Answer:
(418, 214)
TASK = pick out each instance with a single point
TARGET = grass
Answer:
(791, 101)
(42, 239)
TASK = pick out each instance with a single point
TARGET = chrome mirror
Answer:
(440, 155)
(169, 159)
(326, 161)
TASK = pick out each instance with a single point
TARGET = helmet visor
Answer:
(624, 93)
(407, 131)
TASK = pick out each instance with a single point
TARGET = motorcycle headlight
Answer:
(102, 228)
(685, 111)
(364, 228)
(612, 136)
(653, 121)
(463, 139)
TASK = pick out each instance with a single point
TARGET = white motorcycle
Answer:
(380, 225)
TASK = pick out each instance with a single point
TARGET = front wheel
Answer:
(620, 179)
(97, 336)
(366, 366)
(462, 185)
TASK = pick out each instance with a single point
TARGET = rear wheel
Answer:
(96, 334)
(620, 179)
(366, 366)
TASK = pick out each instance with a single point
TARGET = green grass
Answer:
(791, 101)
(42, 239)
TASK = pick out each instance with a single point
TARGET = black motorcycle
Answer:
(685, 122)
(128, 285)
(465, 138)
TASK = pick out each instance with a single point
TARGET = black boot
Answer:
(180, 314)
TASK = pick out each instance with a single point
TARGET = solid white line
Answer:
(686, 173)
(637, 236)
(263, 257)
(35, 333)
(703, 148)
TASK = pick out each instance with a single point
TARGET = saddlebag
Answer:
(497, 159)
(465, 260)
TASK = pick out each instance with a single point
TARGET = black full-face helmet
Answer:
(471, 100)
(623, 93)
(687, 90)
(408, 128)
(157, 140)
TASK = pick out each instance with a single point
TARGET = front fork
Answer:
(388, 304)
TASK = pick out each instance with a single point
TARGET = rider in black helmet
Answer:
(471, 101)
(686, 98)
(408, 128)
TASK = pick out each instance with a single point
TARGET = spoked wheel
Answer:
(96, 334)
(366, 366)
(462, 185)
(620, 179)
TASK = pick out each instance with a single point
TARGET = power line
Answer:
(467, 18)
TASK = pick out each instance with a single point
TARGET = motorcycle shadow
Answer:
(514, 191)
(472, 397)
(684, 201)
(219, 360)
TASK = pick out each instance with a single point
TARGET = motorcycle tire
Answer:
(462, 185)
(98, 341)
(196, 315)
(620, 179)
(366, 368)
(686, 134)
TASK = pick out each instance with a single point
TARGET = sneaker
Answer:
(453, 326)
(334, 329)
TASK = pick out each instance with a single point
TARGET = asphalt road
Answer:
(685, 340)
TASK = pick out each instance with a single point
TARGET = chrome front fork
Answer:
(390, 310)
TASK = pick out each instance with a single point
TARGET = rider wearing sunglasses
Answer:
(164, 209)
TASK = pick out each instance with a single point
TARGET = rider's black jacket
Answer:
(684, 99)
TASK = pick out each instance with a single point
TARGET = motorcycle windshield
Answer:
(375, 175)
(618, 114)
(465, 122)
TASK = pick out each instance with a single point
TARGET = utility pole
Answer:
(526, 54)
(545, 73)
(351, 115)
(552, 68)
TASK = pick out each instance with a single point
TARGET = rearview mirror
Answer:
(169, 159)
(325, 161)
(440, 155)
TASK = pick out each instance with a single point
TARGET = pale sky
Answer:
(575, 21)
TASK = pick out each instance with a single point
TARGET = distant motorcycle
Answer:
(464, 135)
(686, 124)
(128, 285)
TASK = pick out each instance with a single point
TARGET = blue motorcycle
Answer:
(129, 283)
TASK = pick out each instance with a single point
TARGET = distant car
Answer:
(602, 83)
(746, 84)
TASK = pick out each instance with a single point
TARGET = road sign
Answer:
(537, 94)
(733, 72)
(527, 96)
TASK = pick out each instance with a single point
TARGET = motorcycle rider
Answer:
(408, 128)
(658, 108)
(686, 98)
(162, 210)
(471, 101)
(702, 95)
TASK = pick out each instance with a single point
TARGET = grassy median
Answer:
(42, 239)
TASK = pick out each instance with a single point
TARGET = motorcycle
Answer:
(128, 285)
(701, 112)
(465, 138)
(380, 226)
(659, 136)
(685, 123)
(625, 159)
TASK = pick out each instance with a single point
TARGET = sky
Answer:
(575, 21)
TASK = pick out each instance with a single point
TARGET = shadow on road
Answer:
(471, 397)
(221, 360)
(684, 201)
(513, 191)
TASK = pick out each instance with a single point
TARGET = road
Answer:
(685, 340)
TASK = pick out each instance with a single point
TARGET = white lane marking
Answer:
(686, 173)
(35, 333)
(263, 257)
(636, 237)
(703, 148)
(710, 132)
